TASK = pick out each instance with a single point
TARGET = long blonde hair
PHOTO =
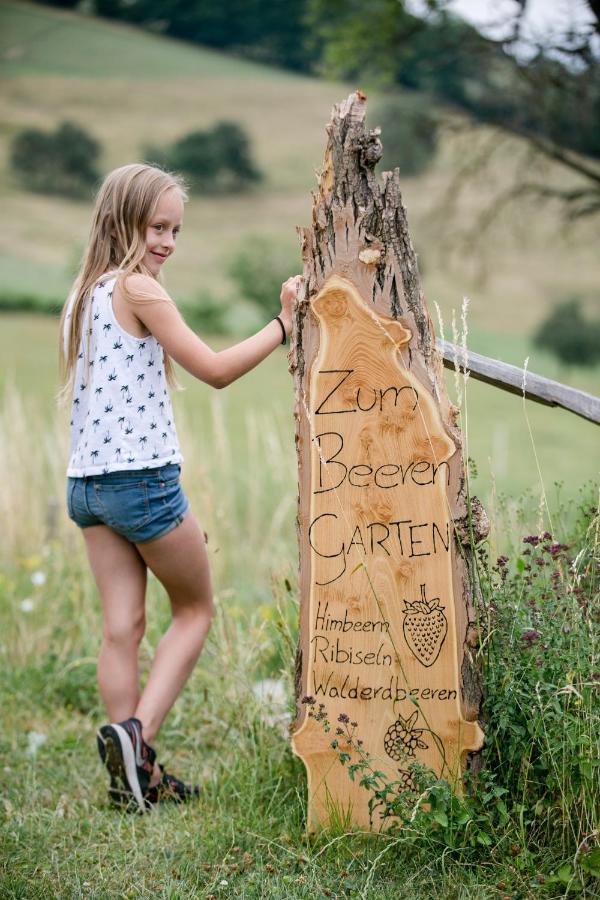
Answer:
(124, 207)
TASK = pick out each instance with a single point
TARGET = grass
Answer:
(499, 442)
(246, 836)
(58, 63)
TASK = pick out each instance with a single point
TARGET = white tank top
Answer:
(121, 415)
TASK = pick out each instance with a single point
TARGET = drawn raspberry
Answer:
(425, 628)
(402, 739)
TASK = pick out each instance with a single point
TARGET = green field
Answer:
(531, 828)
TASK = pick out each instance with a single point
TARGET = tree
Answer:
(569, 336)
(62, 162)
(551, 100)
(217, 160)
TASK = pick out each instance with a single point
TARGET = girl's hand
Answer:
(289, 291)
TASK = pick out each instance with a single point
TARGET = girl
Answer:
(119, 332)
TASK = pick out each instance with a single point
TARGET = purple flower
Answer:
(530, 636)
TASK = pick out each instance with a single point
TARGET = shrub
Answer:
(259, 268)
(23, 301)
(569, 336)
(218, 160)
(409, 133)
(207, 315)
(59, 162)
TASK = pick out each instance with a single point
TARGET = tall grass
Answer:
(531, 823)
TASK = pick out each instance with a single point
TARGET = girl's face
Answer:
(163, 229)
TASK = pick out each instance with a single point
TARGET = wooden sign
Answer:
(386, 616)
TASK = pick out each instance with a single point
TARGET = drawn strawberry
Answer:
(425, 628)
(402, 738)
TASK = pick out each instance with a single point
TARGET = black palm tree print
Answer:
(106, 327)
(141, 409)
(107, 438)
(118, 344)
(103, 360)
(108, 408)
(129, 359)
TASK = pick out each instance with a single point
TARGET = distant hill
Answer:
(131, 88)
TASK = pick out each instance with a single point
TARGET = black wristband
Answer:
(283, 332)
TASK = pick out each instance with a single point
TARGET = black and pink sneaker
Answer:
(129, 760)
(170, 788)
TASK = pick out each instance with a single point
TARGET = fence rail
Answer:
(518, 381)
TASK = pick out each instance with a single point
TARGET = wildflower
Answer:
(38, 577)
(530, 636)
(556, 549)
(35, 740)
(310, 701)
(343, 718)
(532, 539)
(27, 605)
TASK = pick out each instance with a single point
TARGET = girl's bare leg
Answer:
(120, 574)
(180, 562)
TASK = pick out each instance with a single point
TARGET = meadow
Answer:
(531, 827)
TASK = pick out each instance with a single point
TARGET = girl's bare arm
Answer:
(165, 322)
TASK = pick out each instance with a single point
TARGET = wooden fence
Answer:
(519, 381)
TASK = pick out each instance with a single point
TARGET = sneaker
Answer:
(170, 788)
(129, 760)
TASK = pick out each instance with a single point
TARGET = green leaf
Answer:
(483, 838)
(590, 862)
(441, 818)
(565, 873)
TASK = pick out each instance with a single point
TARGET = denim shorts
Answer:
(141, 505)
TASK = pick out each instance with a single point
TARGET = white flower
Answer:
(223, 882)
(272, 696)
(38, 577)
(35, 740)
(27, 604)
(271, 691)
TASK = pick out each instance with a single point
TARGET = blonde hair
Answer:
(124, 207)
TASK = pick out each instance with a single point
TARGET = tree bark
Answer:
(387, 625)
